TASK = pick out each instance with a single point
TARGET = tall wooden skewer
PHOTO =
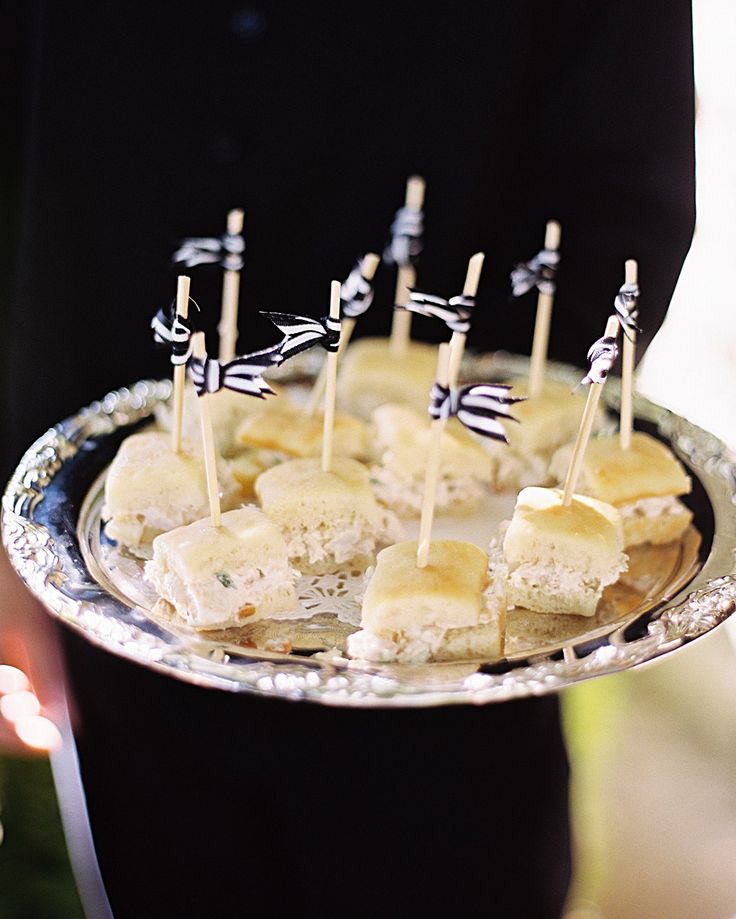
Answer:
(586, 427)
(406, 276)
(432, 472)
(180, 370)
(457, 342)
(367, 269)
(626, 423)
(208, 440)
(228, 325)
(543, 320)
(330, 385)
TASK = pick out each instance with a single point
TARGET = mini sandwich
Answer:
(558, 559)
(150, 489)
(288, 430)
(401, 445)
(643, 483)
(227, 410)
(547, 421)
(330, 520)
(219, 577)
(370, 375)
(439, 612)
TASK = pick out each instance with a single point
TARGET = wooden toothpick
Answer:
(406, 276)
(626, 423)
(432, 471)
(586, 427)
(208, 440)
(457, 342)
(228, 325)
(330, 385)
(180, 371)
(367, 269)
(543, 320)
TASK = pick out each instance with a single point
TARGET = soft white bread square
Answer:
(447, 593)
(561, 558)
(439, 612)
(547, 420)
(370, 374)
(150, 489)
(401, 438)
(329, 519)
(217, 577)
(656, 520)
(647, 469)
(227, 410)
(286, 428)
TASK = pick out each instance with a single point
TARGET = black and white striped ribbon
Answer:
(477, 407)
(626, 305)
(356, 293)
(303, 332)
(456, 312)
(226, 250)
(243, 374)
(538, 272)
(602, 356)
(171, 329)
(405, 245)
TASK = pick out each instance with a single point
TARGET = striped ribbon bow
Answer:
(405, 245)
(356, 293)
(538, 272)
(303, 332)
(456, 312)
(602, 356)
(243, 374)
(626, 305)
(226, 250)
(171, 329)
(477, 407)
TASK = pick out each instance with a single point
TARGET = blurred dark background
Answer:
(136, 124)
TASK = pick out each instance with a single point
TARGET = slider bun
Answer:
(227, 410)
(371, 375)
(647, 469)
(560, 558)
(541, 520)
(289, 429)
(300, 488)
(547, 420)
(150, 489)
(403, 436)
(447, 593)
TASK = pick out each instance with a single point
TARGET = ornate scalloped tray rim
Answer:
(52, 571)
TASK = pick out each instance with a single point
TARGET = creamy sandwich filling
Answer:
(405, 493)
(653, 507)
(225, 595)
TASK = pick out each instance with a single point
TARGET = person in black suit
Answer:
(145, 123)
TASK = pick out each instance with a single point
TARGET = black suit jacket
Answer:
(143, 123)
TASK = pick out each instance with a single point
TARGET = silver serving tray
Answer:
(52, 534)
